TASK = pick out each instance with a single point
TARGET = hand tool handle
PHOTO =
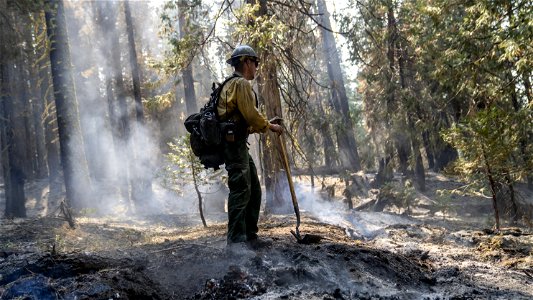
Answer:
(291, 184)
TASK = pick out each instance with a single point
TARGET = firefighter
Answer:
(238, 104)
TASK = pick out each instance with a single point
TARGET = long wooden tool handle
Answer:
(291, 184)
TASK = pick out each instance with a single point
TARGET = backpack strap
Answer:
(217, 96)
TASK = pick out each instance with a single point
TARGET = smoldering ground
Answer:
(172, 256)
(165, 257)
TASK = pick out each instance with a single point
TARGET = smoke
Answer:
(122, 165)
(357, 224)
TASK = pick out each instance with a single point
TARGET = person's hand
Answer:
(275, 128)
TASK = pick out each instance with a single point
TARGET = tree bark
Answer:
(493, 188)
(107, 14)
(11, 158)
(527, 87)
(269, 96)
(86, 76)
(21, 109)
(50, 130)
(195, 182)
(529, 97)
(38, 106)
(330, 153)
(274, 176)
(514, 203)
(106, 25)
(429, 150)
(49, 117)
(407, 81)
(12, 153)
(141, 173)
(106, 18)
(345, 135)
(400, 139)
(135, 71)
(75, 170)
(20, 90)
(186, 73)
(444, 152)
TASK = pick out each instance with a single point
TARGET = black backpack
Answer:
(207, 132)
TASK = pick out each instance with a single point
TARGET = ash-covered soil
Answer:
(430, 254)
(155, 258)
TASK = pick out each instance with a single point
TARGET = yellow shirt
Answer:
(238, 103)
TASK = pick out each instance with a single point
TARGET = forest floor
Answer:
(364, 255)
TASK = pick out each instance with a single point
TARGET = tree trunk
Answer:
(407, 81)
(86, 76)
(493, 188)
(429, 150)
(135, 72)
(186, 73)
(21, 109)
(401, 141)
(106, 25)
(275, 178)
(195, 182)
(444, 152)
(403, 151)
(529, 96)
(49, 118)
(106, 18)
(11, 141)
(50, 131)
(141, 172)
(116, 97)
(49, 121)
(514, 203)
(446, 155)
(346, 140)
(330, 154)
(527, 87)
(75, 170)
(123, 118)
(11, 156)
(269, 96)
(11, 152)
(38, 107)
(420, 175)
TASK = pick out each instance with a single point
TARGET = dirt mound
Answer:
(337, 271)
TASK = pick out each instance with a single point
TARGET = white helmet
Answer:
(240, 52)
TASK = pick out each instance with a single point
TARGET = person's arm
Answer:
(246, 105)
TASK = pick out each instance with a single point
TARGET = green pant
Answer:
(244, 199)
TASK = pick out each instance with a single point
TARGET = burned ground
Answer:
(405, 262)
(364, 255)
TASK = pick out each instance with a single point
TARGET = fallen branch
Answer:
(66, 213)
